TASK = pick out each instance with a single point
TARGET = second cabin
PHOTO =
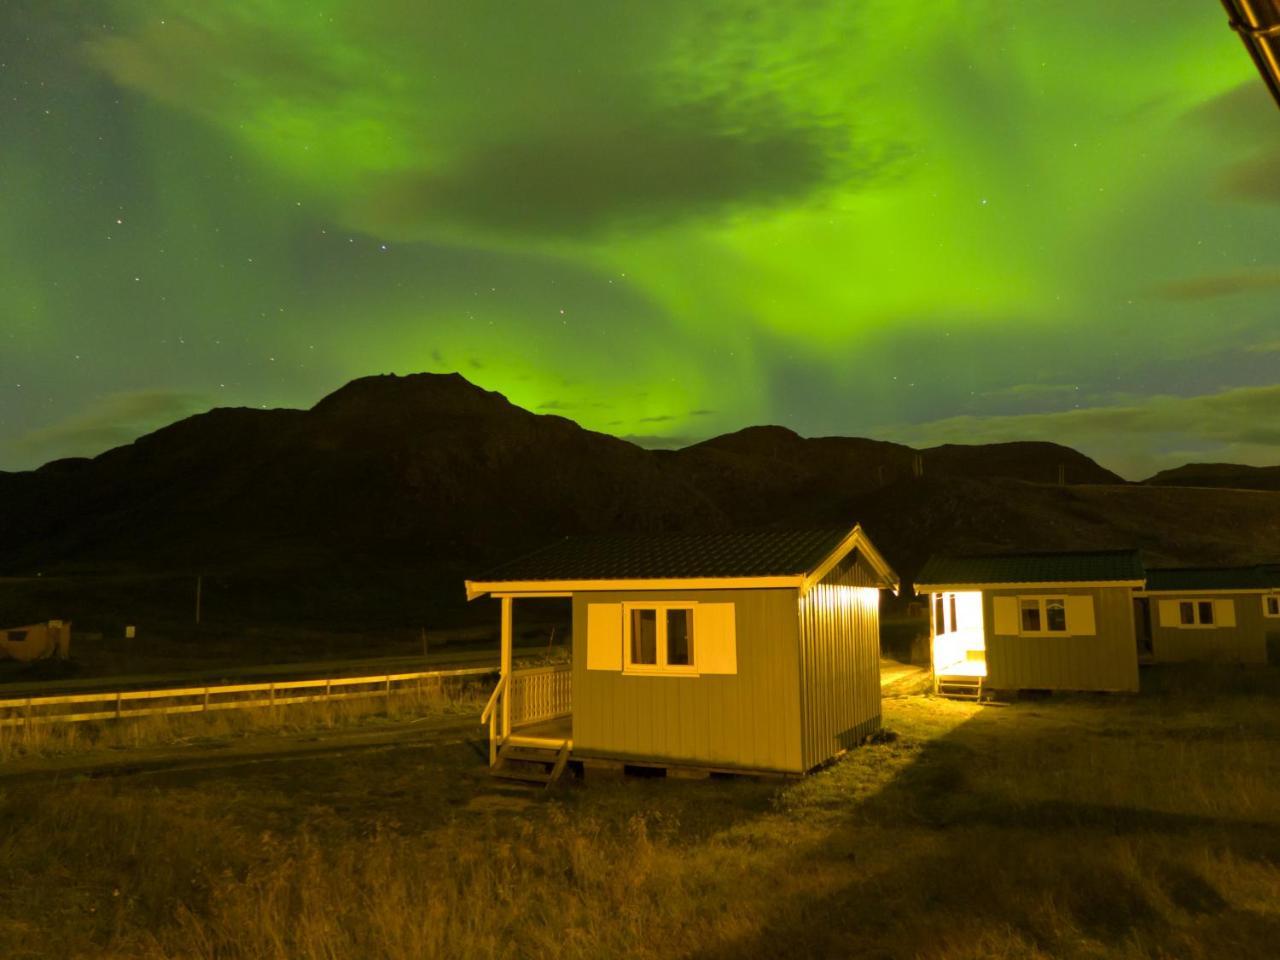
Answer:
(1040, 621)
(1222, 614)
(755, 651)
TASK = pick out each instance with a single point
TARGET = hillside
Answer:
(1233, 475)
(376, 502)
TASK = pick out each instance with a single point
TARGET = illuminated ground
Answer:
(1074, 827)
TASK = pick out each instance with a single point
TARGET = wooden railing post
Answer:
(506, 666)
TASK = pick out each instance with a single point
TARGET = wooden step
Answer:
(528, 754)
(959, 687)
(531, 764)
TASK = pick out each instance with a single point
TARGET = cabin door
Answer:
(1142, 625)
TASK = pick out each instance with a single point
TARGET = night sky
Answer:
(945, 222)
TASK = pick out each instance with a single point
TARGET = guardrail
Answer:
(236, 696)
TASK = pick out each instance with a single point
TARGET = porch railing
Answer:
(541, 693)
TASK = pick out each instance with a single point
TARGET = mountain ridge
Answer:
(426, 479)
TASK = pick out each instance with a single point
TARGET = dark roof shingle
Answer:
(1098, 566)
(1204, 579)
(757, 553)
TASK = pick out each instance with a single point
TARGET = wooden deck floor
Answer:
(544, 733)
(963, 668)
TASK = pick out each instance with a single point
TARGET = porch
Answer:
(529, 714)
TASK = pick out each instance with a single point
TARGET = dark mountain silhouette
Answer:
(1233, 475)
(376, 502)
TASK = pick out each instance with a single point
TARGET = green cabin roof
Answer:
(755, 553)
(1097, 566)
(1208, 579)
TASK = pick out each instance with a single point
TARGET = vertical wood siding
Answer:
(1107, 661)
(748, 720)
(1246, 642)
(839, 662)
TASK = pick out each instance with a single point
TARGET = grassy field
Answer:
(1069, 828)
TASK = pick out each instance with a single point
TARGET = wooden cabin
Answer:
(753, 651)
(1032, 621)
(1224, 614)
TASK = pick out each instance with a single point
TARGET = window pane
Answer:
(1055, 615)
(679, 638)
(939, 624)
(1273, 606)
(954, 623)
(1030, 616)
(1206, 611)
(644, 636)
(1187, 612)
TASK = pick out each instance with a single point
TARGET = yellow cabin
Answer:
(751, 651)
(1037, 621)
(1223, 614)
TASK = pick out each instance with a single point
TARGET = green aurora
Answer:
(957, 222)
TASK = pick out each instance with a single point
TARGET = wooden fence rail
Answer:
(235, 696)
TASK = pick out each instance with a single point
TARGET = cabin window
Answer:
(644, 637)
(17, 636)
(680, 637)
(1271, 605)
(1196, 613)
(1030, 616)
(1055, 615)
(660, 638)
(1042, 615)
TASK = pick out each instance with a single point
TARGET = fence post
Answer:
(206, 699)
(119, 705)
(271, 693)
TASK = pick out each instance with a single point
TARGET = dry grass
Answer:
(430, 698)
(1073, 828)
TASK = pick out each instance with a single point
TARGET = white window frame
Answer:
(661, 668)
(1267, 601)
(1197, 623)
(1044, 601)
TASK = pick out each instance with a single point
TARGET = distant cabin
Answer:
(1041, 621)
(36, 641)
(1224, 614)
(753, 651)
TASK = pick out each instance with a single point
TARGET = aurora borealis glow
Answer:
(973, 220)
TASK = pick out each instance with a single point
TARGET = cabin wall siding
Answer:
(1107, 661)
(839, 662)
(1246, 642)
(748, 720)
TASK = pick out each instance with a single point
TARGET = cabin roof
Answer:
(741, 558)
(1213, 578)
(1097, 566)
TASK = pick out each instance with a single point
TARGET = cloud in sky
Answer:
(110, 421)
(1221, 285)
(1136, 437)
